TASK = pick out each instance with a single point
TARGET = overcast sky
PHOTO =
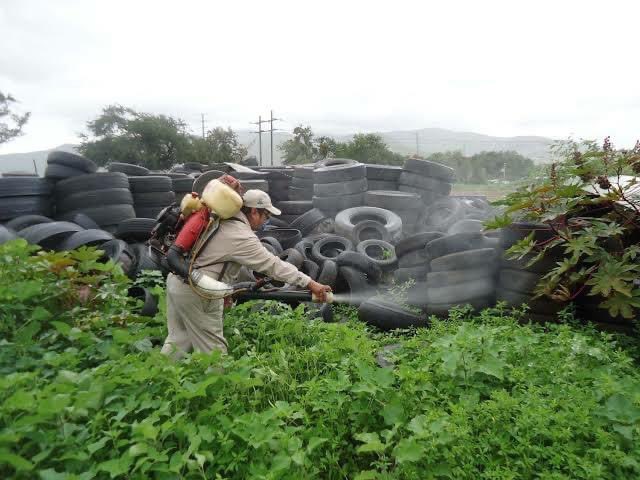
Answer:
(551, 68)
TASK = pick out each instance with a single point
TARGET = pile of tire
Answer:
(339, 184)
(413, 261)
(292, 209)
(61, 165)
(23, 196)
(104, 197)
(517, 279)
(128, 169)
(383, 177)
(430, 180)
(151, 194)
(301, 187)
(462, 270)
(181, 184)
(406, 205)
(443, 213)
(279, 182)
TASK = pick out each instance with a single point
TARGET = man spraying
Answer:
(195, 321)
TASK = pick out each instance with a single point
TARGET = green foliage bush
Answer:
(593, 210)
(85, 396)
(484, 166)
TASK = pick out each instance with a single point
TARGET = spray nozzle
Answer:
(328, 298)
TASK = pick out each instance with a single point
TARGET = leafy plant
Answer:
(593, 210)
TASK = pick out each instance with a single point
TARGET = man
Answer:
(194, 322)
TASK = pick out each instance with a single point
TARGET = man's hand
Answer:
(319, 290)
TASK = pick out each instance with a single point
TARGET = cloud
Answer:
(494, 67)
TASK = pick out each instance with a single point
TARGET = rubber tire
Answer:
(183, 185)
(430, 169)
(369, 230)
(519, 280)
(353, 281)
(339, 173)
(465, 225)
(24, 221)
(469, 259)
(335, 243)
(462, 292)
(455, 277)
(340, 188)
(119, 252)
(308, 221)
(385, 173)
(303, 171)
(310, 268)
(12, 207)
(300, 193)
(90, 182)
(262, 185)
(442, 214)
(542, 305)
(392, 200)
(362, 263)
(304, 247)
(418, 273)
(345, 221)
(386, 264)
(84, 221)
(94, 198)
(416, 242)
(150, 183)
(328, 273)
(334, 162)
(7, 234)
(149, 302)
(154, 199)
(427, 196)
(338, 204)
(382, 186)
(84, 238)
(387, 315)
(108, 215)
(274, 243)
(288, 237)
(135, 229)
(292, 256)
(24, 186)
(57, 172)
(435, 185)
(294, 207)
(49, 235)
(128, 169)
(415, 258)
(459, 242)
(72, 160)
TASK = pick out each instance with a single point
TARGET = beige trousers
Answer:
(194, 323)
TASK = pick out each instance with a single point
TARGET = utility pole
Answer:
(259, 132)
(417, 144)
(271, 132)
(202, 117)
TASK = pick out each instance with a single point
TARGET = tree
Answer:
(299, 149)
(123, 134)
(13, 127)
(222, 146)
(483, 166)
(369, 148)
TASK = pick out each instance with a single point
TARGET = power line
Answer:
(270, 131)
(259, 132)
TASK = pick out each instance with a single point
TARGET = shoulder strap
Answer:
(205, 239)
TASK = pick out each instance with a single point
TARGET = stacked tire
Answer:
(339, 184)
(462, 270)
(61, 165)
(383, 177)
(151, 194)
(253, 180)
(406, 205)
(430, 180)
(103, 197)
(292, 209)
(413, 262)
(279, 183)
(518, 280)
(24, 196)
(181, 185)
(301, 187)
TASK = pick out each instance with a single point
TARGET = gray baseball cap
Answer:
(259, 199)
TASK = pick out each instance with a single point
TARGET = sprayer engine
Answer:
(168, 224)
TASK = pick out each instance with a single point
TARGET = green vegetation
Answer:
(304, 147)
(154, 141)
(594, 213)
(84, 395)
(11, 123)
(485, 166)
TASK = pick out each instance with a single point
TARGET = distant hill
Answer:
(429, 140)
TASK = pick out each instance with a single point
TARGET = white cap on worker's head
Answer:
(259, 199)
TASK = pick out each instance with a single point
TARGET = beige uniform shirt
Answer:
(237, 244)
